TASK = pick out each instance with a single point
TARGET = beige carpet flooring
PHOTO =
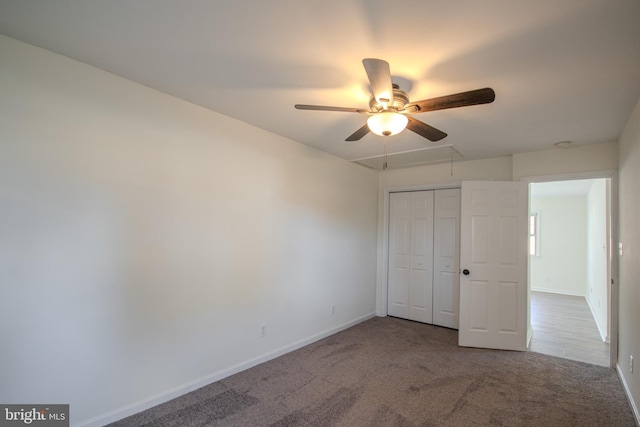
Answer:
(392, 372)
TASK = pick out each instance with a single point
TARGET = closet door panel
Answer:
(423, 281)
(421, 286)
(446, 280)
(399, 255)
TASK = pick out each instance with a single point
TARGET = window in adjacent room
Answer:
(534, 234)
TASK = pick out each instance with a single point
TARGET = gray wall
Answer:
(145, 240)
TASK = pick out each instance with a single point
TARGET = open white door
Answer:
(493, 264)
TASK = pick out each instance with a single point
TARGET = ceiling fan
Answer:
(390, 110)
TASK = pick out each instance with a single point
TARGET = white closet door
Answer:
(421, 284)
(446, 242)
(399, 254)
(410, 294)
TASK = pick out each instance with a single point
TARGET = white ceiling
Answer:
(561, 70)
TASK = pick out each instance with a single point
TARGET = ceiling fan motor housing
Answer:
(400, 99)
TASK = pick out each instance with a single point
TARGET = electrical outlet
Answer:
(333, 310)
(631, 363)
(263, 330)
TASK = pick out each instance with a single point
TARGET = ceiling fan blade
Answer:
(424, 130)
(463, 99)
(357, 135)
(380, 78)
(326, 108)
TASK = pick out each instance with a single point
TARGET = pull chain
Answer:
(384, 164)
(452, 161)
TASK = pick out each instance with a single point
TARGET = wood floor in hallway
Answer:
(563, 326)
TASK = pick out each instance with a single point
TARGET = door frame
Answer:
(383, 272)
(613, 247)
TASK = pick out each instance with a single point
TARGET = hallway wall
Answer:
(561, 266)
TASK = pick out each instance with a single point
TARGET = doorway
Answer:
(570, 269)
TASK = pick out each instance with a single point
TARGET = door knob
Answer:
(465, 272)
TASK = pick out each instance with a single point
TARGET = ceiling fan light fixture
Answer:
(387, 123)
(390, 111)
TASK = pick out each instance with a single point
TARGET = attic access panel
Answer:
(418, 157)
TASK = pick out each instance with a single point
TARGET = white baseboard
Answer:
(152, 401)
(556, 291)
(634, 407)
(602, 331)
